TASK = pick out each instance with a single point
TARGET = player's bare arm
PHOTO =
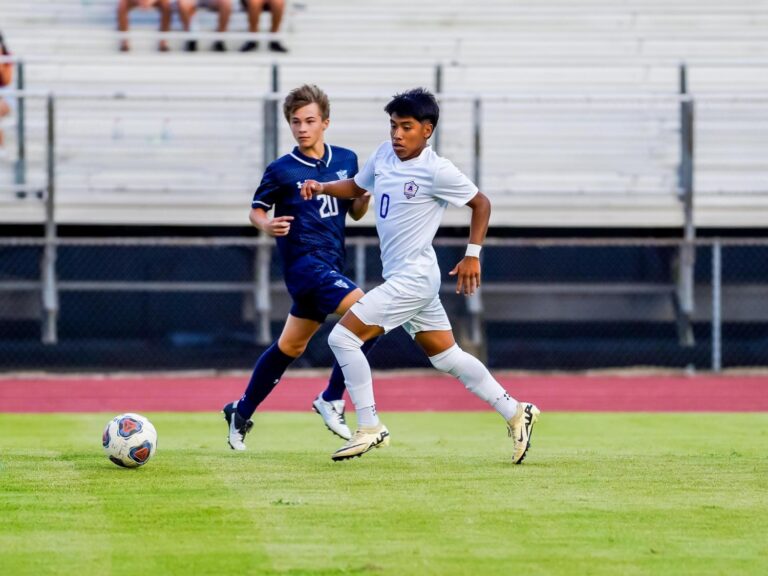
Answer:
(360, 206)
(278, 226)
(468, 270)
(346, 189)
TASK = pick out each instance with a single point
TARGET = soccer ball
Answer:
(129, 440)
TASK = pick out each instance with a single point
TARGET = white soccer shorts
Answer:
(389, 307)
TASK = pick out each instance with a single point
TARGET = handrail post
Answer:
(477, 121)
(360, 263)
(717, 307)
(270, 131)
(438, 91)
(21, 123)
(475, 303)
(263, 297)
(476, 334)
(687, 253)
(50, 294)
(271, 117)
(275, 113)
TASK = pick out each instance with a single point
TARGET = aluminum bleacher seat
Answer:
(609, 162)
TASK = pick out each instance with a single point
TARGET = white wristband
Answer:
(473, 250)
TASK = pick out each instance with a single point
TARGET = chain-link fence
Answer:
(214, 303)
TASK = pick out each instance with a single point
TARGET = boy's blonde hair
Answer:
(303, 96)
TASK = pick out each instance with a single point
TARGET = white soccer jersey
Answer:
(410, 198)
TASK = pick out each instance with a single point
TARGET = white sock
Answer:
(367, 417)
(476, 378)
(345, 345)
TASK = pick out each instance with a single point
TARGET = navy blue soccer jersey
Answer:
(318, 224)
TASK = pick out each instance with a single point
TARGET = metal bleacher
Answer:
(579, 121)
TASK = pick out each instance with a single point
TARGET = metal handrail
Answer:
(225, 96)
(519, 97)
(178, 59)
(489, 242)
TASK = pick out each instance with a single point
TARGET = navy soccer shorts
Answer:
(317, 289)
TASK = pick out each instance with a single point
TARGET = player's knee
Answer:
(293, 349)
(342, 338)
(459, 363)
(448, 360)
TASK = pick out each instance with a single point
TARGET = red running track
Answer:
(400, 392)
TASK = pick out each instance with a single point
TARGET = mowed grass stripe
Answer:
(599, 494)
(44, 490)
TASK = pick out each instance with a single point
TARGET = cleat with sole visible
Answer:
(238, 427)
(332, 414)
(363, 440)
(520, 429)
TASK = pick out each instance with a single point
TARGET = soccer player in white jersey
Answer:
(411, 187)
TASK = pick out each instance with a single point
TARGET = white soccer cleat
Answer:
(238, 427)
(521, 428)
(332, 414)
(363, 440)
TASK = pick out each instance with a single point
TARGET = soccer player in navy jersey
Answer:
(310, 239)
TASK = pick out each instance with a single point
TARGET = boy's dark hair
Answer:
(418, 103)
(303, 96)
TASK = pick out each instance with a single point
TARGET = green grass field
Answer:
(598, 494)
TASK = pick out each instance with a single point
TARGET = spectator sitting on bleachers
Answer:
(187, 9)
(125, 6)
(6, 77)
(255, 8)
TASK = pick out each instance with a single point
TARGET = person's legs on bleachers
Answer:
(165, 22)
(276, 8)
(125, 6)
(255, 8)
(5, 110)
(187, 9)
(224, 8)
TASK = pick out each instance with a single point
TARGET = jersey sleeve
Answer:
(266, 194)
(452, 186)
(365, 178)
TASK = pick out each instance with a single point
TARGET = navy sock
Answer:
(266, 374)
(336, 386)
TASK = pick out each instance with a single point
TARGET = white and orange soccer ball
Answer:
(129, 440)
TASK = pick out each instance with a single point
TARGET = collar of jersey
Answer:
(309, 161)
(416, 158)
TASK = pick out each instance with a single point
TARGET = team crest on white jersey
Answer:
(410, 189)
(342, 174)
